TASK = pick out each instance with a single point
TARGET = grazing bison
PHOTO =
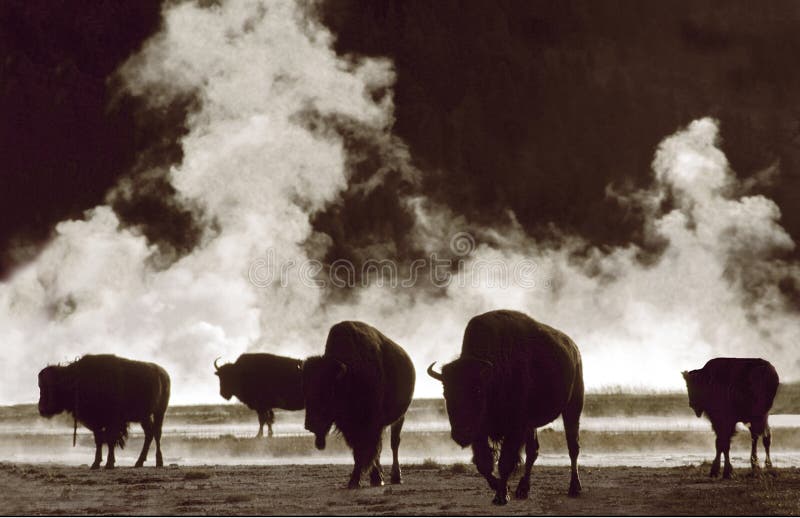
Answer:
(514, 375)
(262, 382)
(731, 390)
(106, 393)
(362, 384)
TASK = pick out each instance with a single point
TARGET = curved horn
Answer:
(433, 374)
(215, 363)
(486, 362)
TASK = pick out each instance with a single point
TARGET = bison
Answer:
(731, 390)
(362, 384)
(262, 382)
(105, 393)
(514, 375)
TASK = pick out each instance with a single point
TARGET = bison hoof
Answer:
(522, 492)
(714, 472)
(727, 474)
(353, 484)
(501, 498)
(376, 479)
(109, 466)
(397, 478)
(138, 464)
(96, 465)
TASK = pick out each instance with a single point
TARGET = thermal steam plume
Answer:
(255, 171)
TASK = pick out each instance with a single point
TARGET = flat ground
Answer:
(428, 489)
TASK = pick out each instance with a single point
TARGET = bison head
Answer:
(466, 385)
(56, 393)
(229, 379)
(323, 379)
(695, 390)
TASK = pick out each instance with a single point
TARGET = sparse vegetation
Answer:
(429, 463)
(196, 475)
(459, 467)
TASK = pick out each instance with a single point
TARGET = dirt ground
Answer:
(427, 490)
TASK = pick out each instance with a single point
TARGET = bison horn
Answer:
(215, 363)
(433, 374)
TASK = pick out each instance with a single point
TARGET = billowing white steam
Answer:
(257, 173)
(260, 175)
(714, 291)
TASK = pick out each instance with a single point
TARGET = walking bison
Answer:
(732, 390)
(513, 376)
(105, 393)
(361, 384)
(262, 382)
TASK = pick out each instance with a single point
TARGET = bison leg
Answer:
(262, 418)
(484, 460)
(397, 426)
(270, 421)
(767, 439)
(531, 453)
(364, 454)
(572, 431)
(147, 427)
(718, 443)
(727, 471)
(158, 423)
(754, 451)
(376, 474)
(757, 428)
(724, 446)
(724, 433)
(506, 464)
(98, 451)
(110, 460)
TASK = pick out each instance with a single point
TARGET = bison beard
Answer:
(731, 390)
(362, 384)
(106, 393)
(513, 376)
(262, 382)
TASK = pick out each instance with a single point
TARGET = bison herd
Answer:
(513, 376)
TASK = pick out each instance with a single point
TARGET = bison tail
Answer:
(123, 437)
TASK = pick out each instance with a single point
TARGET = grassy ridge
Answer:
(787, 401)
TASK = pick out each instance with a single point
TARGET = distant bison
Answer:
(731, 390)
(514, 375)
(362, 384)
(106, 393)
(262, 382)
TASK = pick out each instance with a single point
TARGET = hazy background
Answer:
(643, 157)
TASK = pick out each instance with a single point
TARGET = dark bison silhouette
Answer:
(732, 390)
(262, 382)
(106, 393)
(514, 375)
(362, 384)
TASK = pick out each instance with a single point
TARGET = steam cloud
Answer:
(257, 171)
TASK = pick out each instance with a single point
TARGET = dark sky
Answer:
(535, 106)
